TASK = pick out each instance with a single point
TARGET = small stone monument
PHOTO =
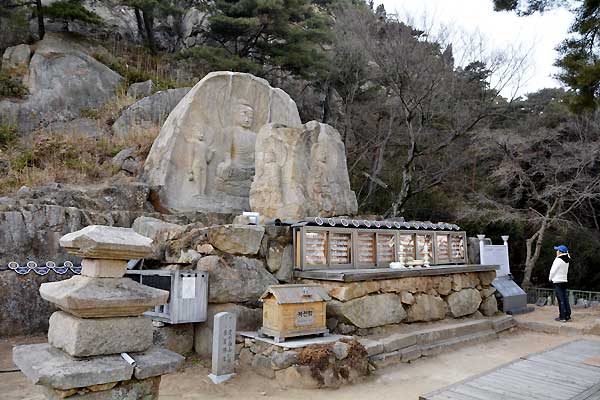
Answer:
(223, 353)
(100, 318)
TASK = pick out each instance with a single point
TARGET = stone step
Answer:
(435, 335)
(407, 347)
(440, 347)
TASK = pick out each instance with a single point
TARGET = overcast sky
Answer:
(536, 35)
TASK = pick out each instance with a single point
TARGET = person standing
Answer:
(558, 277)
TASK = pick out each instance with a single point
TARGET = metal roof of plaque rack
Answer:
(296, 294)
(376, 224)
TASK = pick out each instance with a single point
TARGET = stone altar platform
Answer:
(371, 298)
(365, 274)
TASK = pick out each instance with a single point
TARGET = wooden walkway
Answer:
(561, 373)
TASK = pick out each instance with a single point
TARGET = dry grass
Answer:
(46, 157)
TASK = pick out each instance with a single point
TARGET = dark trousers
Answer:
(560, 289)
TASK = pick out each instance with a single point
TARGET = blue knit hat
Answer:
(562, 248)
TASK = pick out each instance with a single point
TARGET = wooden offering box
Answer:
(294, 310)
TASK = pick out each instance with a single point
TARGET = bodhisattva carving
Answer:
(301, 172)
(203, 155)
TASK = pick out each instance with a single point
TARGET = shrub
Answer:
(11, 87)
(8, 134)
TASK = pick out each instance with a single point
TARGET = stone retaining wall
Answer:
(316, 366)
(360, 306)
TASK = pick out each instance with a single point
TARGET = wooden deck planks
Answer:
(555, 374)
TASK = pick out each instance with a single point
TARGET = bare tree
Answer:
(544, 176)
(418, 101)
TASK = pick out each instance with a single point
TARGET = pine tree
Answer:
(70, 10)
(265, 36)
(8, 7)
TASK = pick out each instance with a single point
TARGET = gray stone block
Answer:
(49, 366)
(284, 359)
(411, 353)
(178, 338)
(262, 366)
(503, 323)
(81, 337)
(156, 362)
(372, 347)
(398, 341)
(134, 389)
(440, 347)
(385, 359)
(465, 328)
(340, 349)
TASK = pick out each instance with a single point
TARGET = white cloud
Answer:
(537, 35)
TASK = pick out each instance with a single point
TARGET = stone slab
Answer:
(156, 362)
(372, 347)
(134, 389)
(455, 330)
(49, 366)
(108, 242)
(365, 274)
(398, 341)
(81, 337)
(296, 343)
(102, 297)
(98, 268)
(503, 323)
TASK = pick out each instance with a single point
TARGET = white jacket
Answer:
(559, 271)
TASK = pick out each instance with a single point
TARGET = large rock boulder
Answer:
(138, 90)
(159, 231)
(301, 171)
(148, 113)
(15, 60)
(463, 303)
(369, 311)
(236, 239)
(235, 280)
(489, 306)
(426, 308)
(62, 80)
(203, 158)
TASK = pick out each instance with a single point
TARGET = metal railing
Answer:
(43, 269)
(575, 296)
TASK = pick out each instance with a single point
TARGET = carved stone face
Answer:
(245, 116)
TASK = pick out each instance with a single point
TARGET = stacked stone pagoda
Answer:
(100, 318)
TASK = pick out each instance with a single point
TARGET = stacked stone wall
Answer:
(360, 306)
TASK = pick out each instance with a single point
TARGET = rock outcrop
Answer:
(203, 158)
(62, 80)
(235, 280)
(300, 172)
(148, 113)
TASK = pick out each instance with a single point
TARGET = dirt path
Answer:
(403, 381)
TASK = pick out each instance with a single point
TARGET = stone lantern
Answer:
(100, 318)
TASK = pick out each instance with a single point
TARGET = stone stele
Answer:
(203, 158)
(301, 172)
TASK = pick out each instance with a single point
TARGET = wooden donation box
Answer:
(294, 310)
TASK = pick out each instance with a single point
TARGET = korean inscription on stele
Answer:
(223, 356)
